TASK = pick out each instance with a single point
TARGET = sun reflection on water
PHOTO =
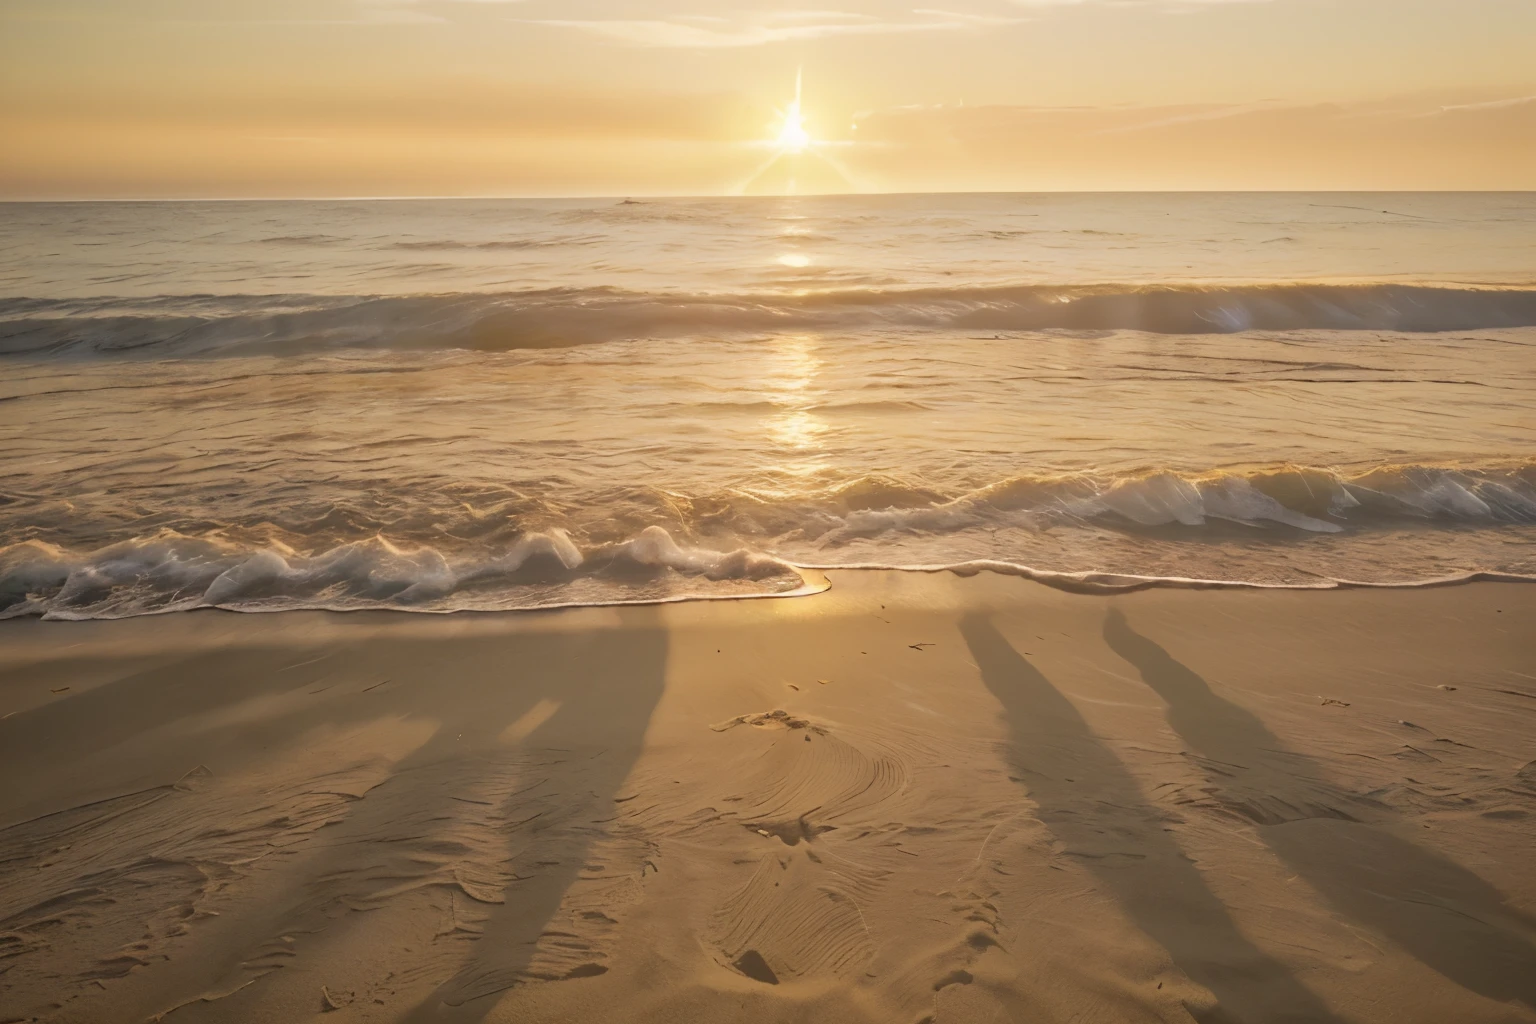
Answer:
(794, 426)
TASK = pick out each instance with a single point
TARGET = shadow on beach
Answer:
(1093, 805)
(518, 745)
(1444, 915)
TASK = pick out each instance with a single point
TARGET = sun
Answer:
(793, 138)
(792, 156)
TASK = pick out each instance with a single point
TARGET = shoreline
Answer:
(912, 796)
(815, 582)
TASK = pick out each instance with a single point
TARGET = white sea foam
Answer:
(171, 572)
(1121, 583)
(919, 528)
(1324, 501)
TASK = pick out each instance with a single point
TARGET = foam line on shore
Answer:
(1118, 583)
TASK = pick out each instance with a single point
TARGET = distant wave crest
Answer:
(203, 325)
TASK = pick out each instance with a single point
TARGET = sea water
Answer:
(493, 404)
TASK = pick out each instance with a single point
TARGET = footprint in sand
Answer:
(790, 788)
(795, 918)
(779, 719)
(799, 914)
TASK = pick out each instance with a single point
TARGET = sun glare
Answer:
(793, 138)
(792, 156)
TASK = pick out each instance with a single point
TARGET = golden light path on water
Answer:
(797, 431)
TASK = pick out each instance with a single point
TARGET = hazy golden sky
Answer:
(140, 98)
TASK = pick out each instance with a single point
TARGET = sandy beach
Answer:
(725, 512)
(913, 798)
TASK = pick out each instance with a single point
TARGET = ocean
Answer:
(444, 405)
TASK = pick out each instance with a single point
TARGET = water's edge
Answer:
(816, 582)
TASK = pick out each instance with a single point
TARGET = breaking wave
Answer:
(775, 547)
(1306, 499)
(171, 572)
(203, 325)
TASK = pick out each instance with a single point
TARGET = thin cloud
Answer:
(766, 28)
(1455, 108)
(407, 12)
(1190, 116)
(1172, 6)
(1403, 143)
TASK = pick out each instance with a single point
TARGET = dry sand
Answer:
(912, 798)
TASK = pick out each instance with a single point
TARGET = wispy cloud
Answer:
(1166, 4)
(767, 27)
(1488, 105)
(414, 11)
(1403, 143)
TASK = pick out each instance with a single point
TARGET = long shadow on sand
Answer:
(1093, 805)
(1431, 907)
(621, 680)
(531, 737)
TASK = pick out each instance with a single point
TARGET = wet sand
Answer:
(912, 798)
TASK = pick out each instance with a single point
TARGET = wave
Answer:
(1125, 583)
(1303, 498)
(1277, 503)
(172, 572)
(496, 245)
(773, 545)
(200, 325)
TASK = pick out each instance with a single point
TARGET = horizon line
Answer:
(661, 196)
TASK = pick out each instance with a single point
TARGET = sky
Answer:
(258, 98)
